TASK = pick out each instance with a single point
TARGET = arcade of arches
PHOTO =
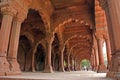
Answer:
(56, 35)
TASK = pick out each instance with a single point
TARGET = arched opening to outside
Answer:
(85, 65)
(105, 54)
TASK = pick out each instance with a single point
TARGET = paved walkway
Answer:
(73, 75)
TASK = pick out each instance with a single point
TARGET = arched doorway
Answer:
(39, 58)
(34, 29)
(55, 53)
(57, 62)
(24, 47)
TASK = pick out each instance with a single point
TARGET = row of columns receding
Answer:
(8, 53)
(12, 22)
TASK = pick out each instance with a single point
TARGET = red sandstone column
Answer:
(93, 60)
(112, 10)
(62, 60)
(8, 14)
(68, 62)
(101, 67)
(13, 45)
(33, 50)
(72, 66)
(108, 49)
(96, 59)
(48, 66)
(78, 65)
(30, 60)
(94, 63)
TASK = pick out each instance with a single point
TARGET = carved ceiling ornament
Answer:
(66, 21)
(87, 37)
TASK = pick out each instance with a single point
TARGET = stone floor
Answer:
(73, 75)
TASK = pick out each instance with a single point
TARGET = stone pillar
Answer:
(62, 60)
(72, 65)
(112, 10)
(94, 63)
(48, 66)
(78, 65)
(30, 62)
(8, 14)
(68, 62)
(101, 67)
(108, 50)
(33, 50)
(96, 59)
(13, 45)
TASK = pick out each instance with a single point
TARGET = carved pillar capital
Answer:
(94, 46)
(8, 10)
(20, 17)
(106, 36)
(62, 47)
(49, 38)
(99, 36)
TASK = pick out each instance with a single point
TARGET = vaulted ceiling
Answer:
(77, 33)
(75, 20)
(62, 4)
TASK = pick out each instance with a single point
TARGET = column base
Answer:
(102, 69)
(14, 67)
(4, 66)
(72, 68)
(96, 68)
(115, 75)
(33, 70)
(69, 69)
(48, 69)
(62, 70)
